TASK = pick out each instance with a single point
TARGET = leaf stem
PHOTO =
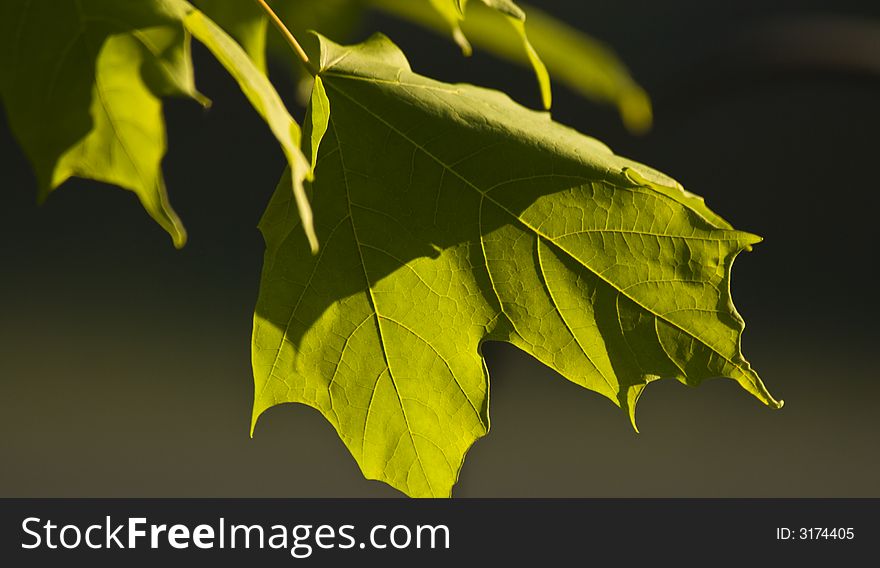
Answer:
(297, 48)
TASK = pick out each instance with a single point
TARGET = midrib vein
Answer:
(378, 317)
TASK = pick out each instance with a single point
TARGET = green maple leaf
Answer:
(449, 216)
(82, 83)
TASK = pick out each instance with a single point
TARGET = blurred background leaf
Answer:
(454, 12)
(573, 58)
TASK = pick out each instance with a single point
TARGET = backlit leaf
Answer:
(449, 216)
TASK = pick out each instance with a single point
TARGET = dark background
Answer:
(125, 365)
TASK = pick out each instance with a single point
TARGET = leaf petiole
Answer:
(297, 48)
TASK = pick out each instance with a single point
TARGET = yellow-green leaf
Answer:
(81, 84)
(265, 100)
(244, 21)
(449, 216)
(82, 81)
